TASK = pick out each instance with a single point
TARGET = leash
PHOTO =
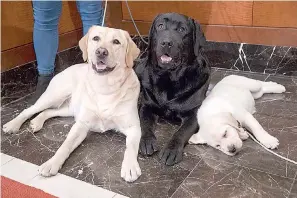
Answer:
(134, 23)
(270, 151)
(104, 13)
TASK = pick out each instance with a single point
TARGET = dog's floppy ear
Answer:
(199, 38)
(83, 45)
(151, 32)
(231, 121)
(132, 50)
(197, 139)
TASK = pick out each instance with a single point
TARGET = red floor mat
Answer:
(14, 189)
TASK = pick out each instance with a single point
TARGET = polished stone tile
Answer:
(18, 82)
(156, 180)
(212, 178)
(253, 58)
(293, 193)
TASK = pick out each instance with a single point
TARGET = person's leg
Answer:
(45, 39)
(91, 13)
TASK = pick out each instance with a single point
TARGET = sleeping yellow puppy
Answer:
(230, 105)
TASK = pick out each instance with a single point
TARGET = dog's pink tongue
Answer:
(100, 66)
(165, 59)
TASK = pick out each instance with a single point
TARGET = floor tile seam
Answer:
(186, 177)
(294, 181)
(14, 101)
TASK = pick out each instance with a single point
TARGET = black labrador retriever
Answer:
(174, 78)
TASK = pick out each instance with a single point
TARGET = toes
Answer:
(179, 157)
(49, 168)
(10, 127)
(130, 172)
(142, 148)
(163, 155)
(35, 126)
(270, 142)
(171, 156)
(148, 146)
(171, 159)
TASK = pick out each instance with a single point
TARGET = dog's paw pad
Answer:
(270, 142)
(130, 170)
(11, 127)
(49, 168)
(36, 125)
(243, 134)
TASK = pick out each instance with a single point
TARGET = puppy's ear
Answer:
(199, 38)
(83, 45)
(132, 50)
(230, 120)
(197, 139)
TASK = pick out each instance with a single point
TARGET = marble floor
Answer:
(204, 172)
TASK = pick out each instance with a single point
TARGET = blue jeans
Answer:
(45, 34)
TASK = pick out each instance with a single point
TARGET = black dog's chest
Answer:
(170, 95)
(166, 89)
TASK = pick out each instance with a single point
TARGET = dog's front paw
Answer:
(49, 168)
(12, 127)
(148, 146)
(172, 153)
(36, 124)
(130, 170)
(243, 135)
(269, 141)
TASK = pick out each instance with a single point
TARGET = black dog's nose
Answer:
(102, 52)
(232, 149)
(167, 43)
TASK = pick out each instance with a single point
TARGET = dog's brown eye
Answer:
(218, 146)
(181, 29)
(96, 38)
(161, 26)
(116, 41)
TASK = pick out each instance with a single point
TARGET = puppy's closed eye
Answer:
(225, 134)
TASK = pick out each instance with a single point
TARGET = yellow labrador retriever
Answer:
(101, 95)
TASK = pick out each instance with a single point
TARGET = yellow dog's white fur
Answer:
(229, 102)
(98, 102)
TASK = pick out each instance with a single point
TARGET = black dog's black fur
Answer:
(173, 90)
